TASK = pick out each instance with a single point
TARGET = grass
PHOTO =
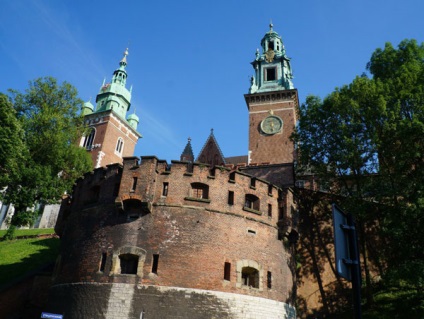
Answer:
(19, 256)
(30, 232)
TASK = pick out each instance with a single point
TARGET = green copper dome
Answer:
(272, 66)
(87, 108)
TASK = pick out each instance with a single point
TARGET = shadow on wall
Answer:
(320, 291)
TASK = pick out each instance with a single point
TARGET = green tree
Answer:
(12, 148)
(47, 113)
(365, 142)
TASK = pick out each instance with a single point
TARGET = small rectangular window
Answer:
(270, 74)
(269, 210)
(227, 271)
(253, 182)
(155, 264)
(230, 198)
(165, 189)
(269, 280)
(270, 189)
(103, 262)
(134, 185)
(233, 176)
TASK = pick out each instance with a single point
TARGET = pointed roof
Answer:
(187, 155)
(211, 152)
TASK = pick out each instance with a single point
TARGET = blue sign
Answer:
(341, 243)
(51, 315)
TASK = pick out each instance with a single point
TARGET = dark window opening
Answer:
(129, 264)
(200, 190)
(253, 182)
(134, 185)
(271, 45)
(270, 74)
(89, 139)
(212, 172)
(119, 145)
(269, 280)
(269, 210)
(165, 189)
(233, 176)
(250, 277)
(251, 231)
(103, 262)
(251, 202)
(269, 189)
(230, 198)
(155, 264)
(227, 271)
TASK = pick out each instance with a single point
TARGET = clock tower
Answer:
(272, 103)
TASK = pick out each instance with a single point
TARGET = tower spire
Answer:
(187, 155)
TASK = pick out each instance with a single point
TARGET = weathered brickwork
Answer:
(188, 226)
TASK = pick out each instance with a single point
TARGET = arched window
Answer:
(119, 146)
(128, 264)
(250, 277)
(89, 139)
(252, 202)
(249, 274)
(199, 190)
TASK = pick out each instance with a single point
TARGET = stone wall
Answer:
(123, 301)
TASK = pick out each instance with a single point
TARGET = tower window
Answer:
(250, 277)
(129, 264)
(271, 45)
(227, 271)
(269, 210)
(103, 262)
(165, 189)
(251, 202)
(269, 280)
(89, 139)
(199, 190)
(270, 74)
(230, 198)
(253, 182)
(119, 146)
(155, 264)
(134, 185)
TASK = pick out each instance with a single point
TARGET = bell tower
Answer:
(272, 102)
(112, 134)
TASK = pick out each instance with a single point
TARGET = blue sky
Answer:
(189, 61)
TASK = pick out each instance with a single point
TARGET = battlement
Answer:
(152, 182)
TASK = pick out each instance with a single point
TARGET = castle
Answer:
(210, 237)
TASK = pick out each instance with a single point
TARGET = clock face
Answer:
(272, 125)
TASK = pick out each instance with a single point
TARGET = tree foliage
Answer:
(365, 142)
(45, 127)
